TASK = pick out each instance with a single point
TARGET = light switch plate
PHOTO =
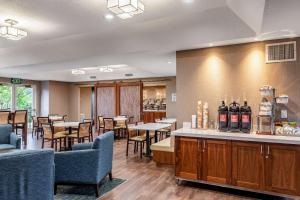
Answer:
(284, 114)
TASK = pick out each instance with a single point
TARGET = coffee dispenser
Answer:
(234, 117)
(223, 117)
(245, 120)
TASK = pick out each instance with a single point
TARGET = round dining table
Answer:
(69, 126)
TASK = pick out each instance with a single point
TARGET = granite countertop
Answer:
(252, 137)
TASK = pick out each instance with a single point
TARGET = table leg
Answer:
(69, 139)
(147, 144)
(155, 137)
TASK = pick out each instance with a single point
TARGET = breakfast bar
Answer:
(262, 163)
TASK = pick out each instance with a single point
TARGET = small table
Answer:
(68, 125)
(150, 127)
(55, 118)
(169, 121)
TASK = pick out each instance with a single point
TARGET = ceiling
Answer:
(71, 34)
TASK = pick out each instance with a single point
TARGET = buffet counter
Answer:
(252, 137)
(261, 163)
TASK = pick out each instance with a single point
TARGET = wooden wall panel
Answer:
(106, 101)
(130, 101)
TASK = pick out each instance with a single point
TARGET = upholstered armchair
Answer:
(27, 174)
(8, 140)
(86, 164)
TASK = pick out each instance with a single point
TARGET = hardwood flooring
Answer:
(146, 181)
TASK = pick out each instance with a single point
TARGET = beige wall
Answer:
(233, 73)
(86, 101)
(59, 98)
(171, 106)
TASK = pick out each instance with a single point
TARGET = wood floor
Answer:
(146, 181)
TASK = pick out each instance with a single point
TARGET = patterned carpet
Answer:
(86, 192)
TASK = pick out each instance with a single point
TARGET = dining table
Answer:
(169, 121)
(150, 127)
(69, 126)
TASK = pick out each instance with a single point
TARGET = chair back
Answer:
(27, 174)
(20, 116)
(108, 123)
(65, 118)
(84, 129)
(58, 129)
(5, 131)
(89, 120)
(100, 121)
(4, 117)
(42, 120)
(35, 121)
(48, 132)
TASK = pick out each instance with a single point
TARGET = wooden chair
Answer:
(121, 125)
(41, 120)
(20, 120)
(50, 136)
(84, 131)
(109, 125)
(65, 118)
(35, 126)
(100, 124)
(138, 138)
(4, 117)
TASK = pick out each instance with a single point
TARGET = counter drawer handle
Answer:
(204, 146)
(261, 149)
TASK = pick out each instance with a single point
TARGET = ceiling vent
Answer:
(281, 52)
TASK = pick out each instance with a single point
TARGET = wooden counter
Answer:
(151, 115)
(267, 164)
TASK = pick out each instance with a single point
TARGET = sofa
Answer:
(8, 140)
(27, 174)
(86, 164)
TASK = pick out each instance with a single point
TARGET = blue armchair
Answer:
(27, 174)
(86, 164)
(8, 140)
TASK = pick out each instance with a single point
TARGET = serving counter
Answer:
(261, 163)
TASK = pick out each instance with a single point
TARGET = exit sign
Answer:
(16, 81)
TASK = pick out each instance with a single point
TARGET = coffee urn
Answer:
(245, 120)
(234, 117)
(223, 117)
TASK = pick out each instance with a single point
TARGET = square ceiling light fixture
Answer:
(11, 32)
(125, 9)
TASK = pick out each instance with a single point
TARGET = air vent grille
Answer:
(281, 52)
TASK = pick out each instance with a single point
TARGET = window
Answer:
(5, 96)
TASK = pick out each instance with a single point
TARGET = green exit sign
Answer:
(16, 81)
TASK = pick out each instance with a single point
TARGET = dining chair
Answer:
(20, 120)
(4, 117)
(35, 126)
(100, 124)
(65, 118)
(109, 125)
(41, 120)
(50, 136)
(84, 131)
(122, 126)
(138, 138)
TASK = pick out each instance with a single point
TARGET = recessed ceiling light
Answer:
(106, 69)
(211, 44)
(109, 16)
(169, 62)
(78, 71)
(188, 1)
(256, 38)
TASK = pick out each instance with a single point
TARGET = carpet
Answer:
(86, 192)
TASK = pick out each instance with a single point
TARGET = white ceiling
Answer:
(70, 34)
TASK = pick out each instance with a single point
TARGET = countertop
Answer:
(252, 137)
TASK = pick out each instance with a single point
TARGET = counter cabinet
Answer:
(256, 166)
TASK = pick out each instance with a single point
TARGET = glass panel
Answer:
(5, 97)
(24, 100)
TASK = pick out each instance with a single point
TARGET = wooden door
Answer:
(248, 164)
(186, 152)
(216, 161)
(282, 168)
